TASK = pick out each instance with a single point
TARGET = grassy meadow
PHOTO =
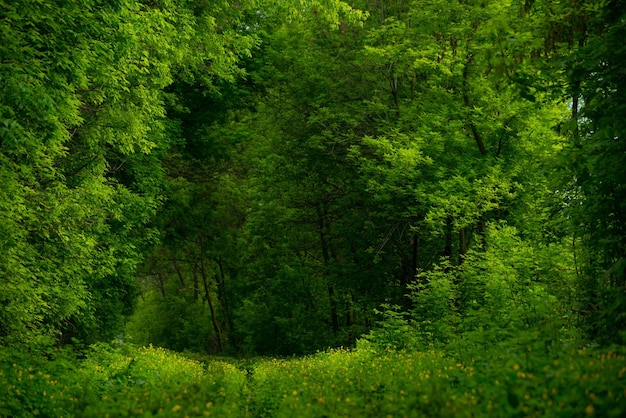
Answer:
(129, 381)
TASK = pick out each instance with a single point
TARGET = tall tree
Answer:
(596, 86)
(83, 129)
(395, 144)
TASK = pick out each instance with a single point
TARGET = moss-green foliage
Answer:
(354, 383)
(369, 383)
(118, 382)
(365, 382)
(31, 385)
(153, 381)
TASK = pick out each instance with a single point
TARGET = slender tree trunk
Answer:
(351, 338)
(576, 93)
(466, 100)
(196, 284)
(416, 248)
(216, 325)
(393, 85)
(462, 245)
(333, 309)
(575, 105)
(480, 233)
(350, 313)
(447, 249)
(161, 284)
(326, 256)
(221, 289)
(179, 273)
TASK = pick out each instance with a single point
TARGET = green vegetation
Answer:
(312, 208)
(363, 382)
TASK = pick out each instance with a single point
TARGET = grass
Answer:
(149, 381)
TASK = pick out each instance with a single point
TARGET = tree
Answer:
(394, 146)
(596, 197)
(82, 132)
(573, 51)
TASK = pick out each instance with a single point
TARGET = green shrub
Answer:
(39, 384)
(395, 331)
(157, 382)
(366, 382)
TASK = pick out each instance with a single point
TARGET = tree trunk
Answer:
(333, 309)
(393, 85)
(179, 273)
(161, 284)
(350, 313)
(447, 249)
(221, 291)
(466, 100)
(416, 247)
(196, 284)
(326, 257)
(216, 325)
(462, 245)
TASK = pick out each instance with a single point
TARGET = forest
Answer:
(312, 208)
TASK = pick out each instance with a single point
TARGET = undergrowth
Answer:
(367, 381)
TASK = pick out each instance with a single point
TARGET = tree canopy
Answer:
(272, 177)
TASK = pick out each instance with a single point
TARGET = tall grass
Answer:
(365, 382)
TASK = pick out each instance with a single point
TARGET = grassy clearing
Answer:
(151, 381)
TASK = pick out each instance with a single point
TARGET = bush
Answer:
(510, 293)
(395, 331)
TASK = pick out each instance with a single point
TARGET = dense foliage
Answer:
(435, 183)
(338, 383)
(83, 138)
